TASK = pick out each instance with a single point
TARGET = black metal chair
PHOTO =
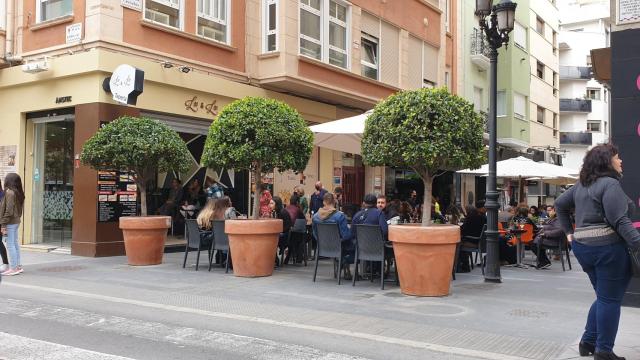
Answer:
(562, 250)
(296, 240)
(195, 240)
(370, 247)
(220, 242)
(330, 246)
(479, 250)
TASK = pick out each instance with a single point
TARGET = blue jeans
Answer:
(12, 245)
(609, 270)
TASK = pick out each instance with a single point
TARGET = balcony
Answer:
(480, 50)
(576, 138)
(575, 73)
(575, 105)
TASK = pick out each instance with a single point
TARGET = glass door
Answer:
(53, 180)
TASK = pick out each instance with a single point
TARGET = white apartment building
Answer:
(584, 103)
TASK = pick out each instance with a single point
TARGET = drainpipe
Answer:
(8, 49)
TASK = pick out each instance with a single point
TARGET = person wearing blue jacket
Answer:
(371, 215)
(328, 214)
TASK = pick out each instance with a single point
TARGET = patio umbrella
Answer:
(524, 168)
(341, 135)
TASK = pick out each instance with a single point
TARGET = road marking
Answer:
(16, 347)
(370, 337)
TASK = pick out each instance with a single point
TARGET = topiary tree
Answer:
(139, 145)
(426, 130)
(258, 135)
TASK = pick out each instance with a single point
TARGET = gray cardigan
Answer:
(585, 200)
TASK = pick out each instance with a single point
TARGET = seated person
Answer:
(224, 209)
(205, 216)
(472, 226)
(371, 215)
(550, 237)
(295, 212)
(329, 215)
(175, 198)
(279, 212)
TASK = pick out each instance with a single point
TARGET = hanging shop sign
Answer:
(125, 84)
(117, 195)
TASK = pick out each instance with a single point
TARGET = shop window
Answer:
(540, 115)
(593, 126)
(540, 70)
(270, 21)
(213, 19)
(52, 9)
(319, 17)
(593, 94)
(165, 12)
(369, 56)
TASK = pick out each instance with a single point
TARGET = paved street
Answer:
(66, 307)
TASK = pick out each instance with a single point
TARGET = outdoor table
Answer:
(518, 234)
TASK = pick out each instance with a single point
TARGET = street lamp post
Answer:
(496, 30)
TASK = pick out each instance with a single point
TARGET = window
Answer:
(606, 127)
(606, 95)
(447, 14)
(213, 18)
(52, 9)
(446, 80)
(270, 23)
(593, 126)
(520, 36)
(501, 100)
(477, 99)
(428, 84)
(3, 14)
(555, 120)
(540, 70)
(540, 117)
(369, 56)
(588, 60)
(593, 94)
(320, 17)
(554, 39)
(165, 12)
(519, 106)
(540, 25)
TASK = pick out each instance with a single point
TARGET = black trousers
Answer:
(3, 253)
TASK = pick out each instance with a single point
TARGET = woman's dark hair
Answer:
(294, 200)
(597, 164)
(13, 182)
(536, 212)
(523, 211)
(278, 201)
(472, 210)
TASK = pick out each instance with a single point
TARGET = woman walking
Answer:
(3, 249)
(10, 213)
(603, 233)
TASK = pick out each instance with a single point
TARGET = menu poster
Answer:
(8, 160)
(117, 195)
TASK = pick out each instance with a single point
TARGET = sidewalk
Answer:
(533, 314)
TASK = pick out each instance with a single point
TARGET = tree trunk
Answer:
(427, 179)
(257, 193)
(142, 186)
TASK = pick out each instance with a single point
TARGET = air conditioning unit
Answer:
(37, 66)
(157, 16)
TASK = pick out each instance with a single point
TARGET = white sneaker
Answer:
(19, 270)
(4, 267)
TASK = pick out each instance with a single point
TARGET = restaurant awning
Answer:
(341, 135)
(521, 167)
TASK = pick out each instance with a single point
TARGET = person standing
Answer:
(265, 200)
(317, 198)
(11, 207)
(603, 233)
(3, 249)
(304, 203)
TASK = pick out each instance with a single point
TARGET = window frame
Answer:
(226, 22)
(524, 106)
(595, 91)
(538, 108)
(504, 113)
(515, 26)
(592, 122)
(266, 32)
(375, 41)
(538, 63)
(39, 12)
(325, 24)
(180, 9)
(540, 21)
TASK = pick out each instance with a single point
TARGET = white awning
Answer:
(525, 168)
(341, 135)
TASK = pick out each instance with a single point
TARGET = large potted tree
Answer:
(429, 131)
(259, 135)
(142, 147)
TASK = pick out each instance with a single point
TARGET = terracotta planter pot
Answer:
(253, 245)
(424, 256)
(144, 238)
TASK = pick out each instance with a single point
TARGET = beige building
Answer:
(327, 58)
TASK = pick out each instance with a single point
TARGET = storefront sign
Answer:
(628, 11)
(63, 99)
(196, 105)
(74, 33)
(125, 84)
(117, 196)
(8, 154)
(132, 4)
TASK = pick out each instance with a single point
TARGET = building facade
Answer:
(584, 102)
(327, 58)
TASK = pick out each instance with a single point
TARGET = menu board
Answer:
(117, 195)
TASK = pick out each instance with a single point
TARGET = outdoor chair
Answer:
(370, 247)
(479, 250)
(296, 240)
(330, 246)
(220, 243)
(196, 239)
(562, 250)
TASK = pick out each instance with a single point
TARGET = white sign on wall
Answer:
(74, 33)
(8, 160)
(126, 84)
(628, 11)
(132, 4)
